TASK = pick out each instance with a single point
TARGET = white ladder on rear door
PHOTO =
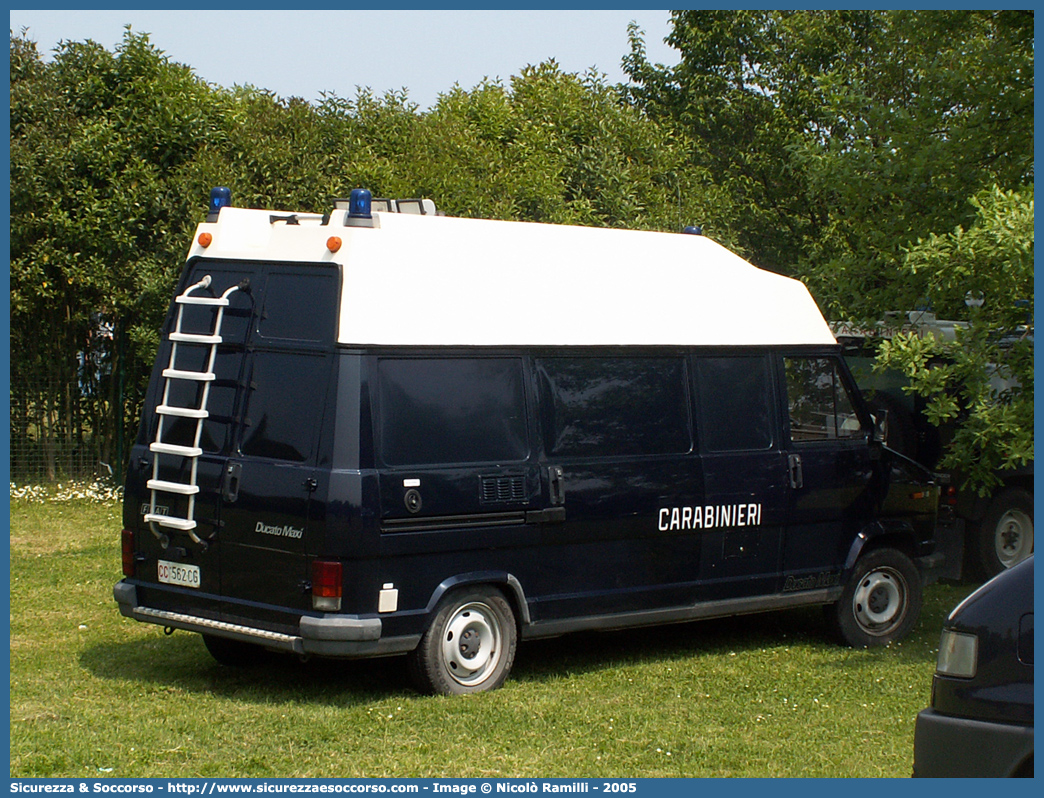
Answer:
(163, 449)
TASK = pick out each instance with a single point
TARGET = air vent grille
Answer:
(504, 489)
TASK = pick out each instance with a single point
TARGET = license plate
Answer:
(176, 573)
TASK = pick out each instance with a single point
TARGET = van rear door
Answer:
(192, 412)
(271, 476)
(257, 473)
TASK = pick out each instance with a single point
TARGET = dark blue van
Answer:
(980, 722)
(385, 431)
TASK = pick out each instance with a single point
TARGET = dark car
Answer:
(980, 723)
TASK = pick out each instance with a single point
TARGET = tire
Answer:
(234, 653)
(469, 646)
(881, 601)
(1004, 536)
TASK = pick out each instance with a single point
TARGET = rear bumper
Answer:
(949, 747)
(322, 635)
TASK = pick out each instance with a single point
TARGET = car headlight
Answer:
(958, 654)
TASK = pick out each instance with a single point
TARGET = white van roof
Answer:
(443, 281)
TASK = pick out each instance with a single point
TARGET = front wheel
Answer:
(881, 601)
(470, 645)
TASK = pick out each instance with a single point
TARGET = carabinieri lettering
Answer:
(709, 516)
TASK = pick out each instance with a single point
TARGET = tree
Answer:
(113, 156)
(847, 135)
(556, 147)
(742, 95)
(983, 379)
(941, 111)
(852, 138)
(96, 221)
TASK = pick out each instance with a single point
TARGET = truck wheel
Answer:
(881, 601)
(233, 653)
(1004, 536)
(470, 645)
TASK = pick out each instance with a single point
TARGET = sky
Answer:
(305, 53)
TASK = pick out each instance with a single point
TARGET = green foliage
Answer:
(850, 139)
(556, 148)
(984, 379)
(97, 224)
(721, 101)
(846, 135)
(940, 109)
(113, 156)
(829, 145)
(992, 259)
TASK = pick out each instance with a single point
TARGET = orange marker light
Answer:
(205, 239)
(333, 243)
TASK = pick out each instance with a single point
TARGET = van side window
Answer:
(735, 403)
(451, 410)
(613, 406)
(820, 407)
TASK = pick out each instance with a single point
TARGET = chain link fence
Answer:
(51, 434)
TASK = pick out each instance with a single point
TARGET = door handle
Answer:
(797, 478)
(556, 481)
(230, 481)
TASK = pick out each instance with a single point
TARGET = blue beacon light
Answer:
(220, 197)
(359, 204)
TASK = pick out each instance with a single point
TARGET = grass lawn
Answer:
(94, 694)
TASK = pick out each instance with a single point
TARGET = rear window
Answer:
(451, 411)
(300, 306)
(285, 405)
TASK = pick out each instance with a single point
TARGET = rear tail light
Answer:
(127, 550)
(326, 585)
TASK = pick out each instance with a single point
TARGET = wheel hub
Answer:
(878, 601)
(471, 646)
(1014, 538)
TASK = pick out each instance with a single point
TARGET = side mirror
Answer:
(880, 417)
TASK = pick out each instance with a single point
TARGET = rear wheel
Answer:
(233, 653)
(880, 603)
(1005, 534)
(470, 645)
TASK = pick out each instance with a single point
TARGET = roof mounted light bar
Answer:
(419, 207)
(416, 206)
